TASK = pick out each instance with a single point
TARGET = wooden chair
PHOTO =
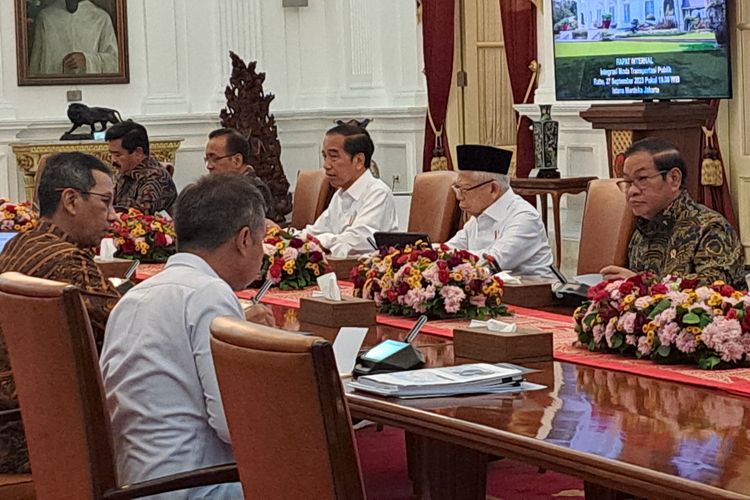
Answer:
(434, 207)
(311, 196)
(607, 226)
(51, 348)
(285, 406)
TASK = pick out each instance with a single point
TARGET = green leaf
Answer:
(617, 341)
(709, 362)
(661, 306)
(664, 351)
(691, 319)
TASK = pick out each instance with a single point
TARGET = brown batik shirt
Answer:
(47, 252)
(688, 239)
(148, 188)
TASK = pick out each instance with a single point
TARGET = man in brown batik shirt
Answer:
(143, 182)
(75, 206)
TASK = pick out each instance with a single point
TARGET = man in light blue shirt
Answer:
(159, 379)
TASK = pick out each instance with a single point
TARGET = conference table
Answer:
(619, 432)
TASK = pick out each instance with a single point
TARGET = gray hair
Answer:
(502, 179)
(211, 211)
(66, 170)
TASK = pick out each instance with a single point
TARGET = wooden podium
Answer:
(677, 122)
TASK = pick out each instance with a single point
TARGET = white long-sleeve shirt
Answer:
(159, 380)
(512, 232)
(58, 33)
(354, 215)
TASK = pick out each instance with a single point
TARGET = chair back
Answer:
(434, 208)
(37, 177)
(311, 196)
(290, 425)
(607, 226)
(53, 357)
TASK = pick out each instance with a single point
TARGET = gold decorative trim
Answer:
(28, 155)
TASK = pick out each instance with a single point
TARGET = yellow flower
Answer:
(629, 299)
(280, 245)
(457, 276)
(650, 327)
(714, 300)
(693, 330)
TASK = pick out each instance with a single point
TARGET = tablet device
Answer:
(399, 239)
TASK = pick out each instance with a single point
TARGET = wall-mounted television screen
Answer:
(641, 49)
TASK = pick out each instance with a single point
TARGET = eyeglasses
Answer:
(640, 182)
(461, 191)
(107, 197)
(214, 159)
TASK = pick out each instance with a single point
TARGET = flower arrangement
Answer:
(672, 320)
(149, 238)
(292, 262)
(438, 282)
(17, 216)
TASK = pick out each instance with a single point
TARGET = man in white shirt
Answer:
(75, 37)
(503, 225)
(362, 204)
(158, 373)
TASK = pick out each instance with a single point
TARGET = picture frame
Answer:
(100, 56)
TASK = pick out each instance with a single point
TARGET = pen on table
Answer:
(372, 242)
(133, 266)
(415, 329)
(559, 275)
(263, 289)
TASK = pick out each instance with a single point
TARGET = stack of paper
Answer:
(447, 381)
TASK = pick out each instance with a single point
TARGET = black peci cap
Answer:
(481, 158)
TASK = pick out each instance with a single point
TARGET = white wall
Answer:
(333, 59)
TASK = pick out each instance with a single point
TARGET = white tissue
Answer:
(494, 325)
(107, 249)
(508, 279)
(329, 287)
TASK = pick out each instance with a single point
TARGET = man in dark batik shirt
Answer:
(229, 151)
(75, 206)
(143, 182)
(674, 234)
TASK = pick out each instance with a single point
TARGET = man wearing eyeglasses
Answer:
(229, 151)
(75, 208)
(673, 234)
(502, 224)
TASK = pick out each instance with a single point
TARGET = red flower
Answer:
(658, 288)
(128, 247)
(689, 284)
(315, 256)
(391, 295)
(160, 240)
(275, 271)
(443, 275)
(626, 287)
(403, 259)
(296, 243)
(726, 290)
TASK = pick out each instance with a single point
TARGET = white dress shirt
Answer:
(353, 215)
(159, 378)
(512, 232)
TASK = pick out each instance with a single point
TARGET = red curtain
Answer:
(717, 197)
(437, 31)
(519, 34)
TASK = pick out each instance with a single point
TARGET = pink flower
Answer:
(452, 297)
(668, 334)
(609, 331)
(685, 342)
(721, 331)
(627, 322)
(290, 253)
(416, 298)
(732, 351)
(643, 346)
(666, 316)
(631, 339)
(598, 333)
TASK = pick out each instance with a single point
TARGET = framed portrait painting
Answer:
(71, 42)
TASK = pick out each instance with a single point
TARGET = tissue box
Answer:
(324, 317)
(114, 268)
(528, 294)
(523, 346)
(342, 266)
